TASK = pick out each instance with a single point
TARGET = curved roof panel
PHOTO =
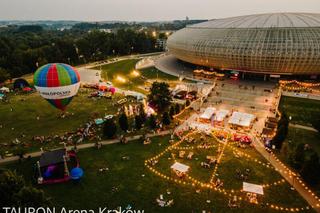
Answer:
(269, 20)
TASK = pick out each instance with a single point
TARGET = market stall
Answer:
(241, 120)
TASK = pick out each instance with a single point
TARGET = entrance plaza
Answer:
(230, 98)
(256, 98)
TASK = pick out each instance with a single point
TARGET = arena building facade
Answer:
(270, 44)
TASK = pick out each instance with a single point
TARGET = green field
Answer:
(27, 107)
(303, 111)
(124, 69)
(129, 182)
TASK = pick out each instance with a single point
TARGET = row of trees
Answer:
(303, 158)
(306, 161)
(16, 193)
(21, 52)
(160, 99)
(139, 121)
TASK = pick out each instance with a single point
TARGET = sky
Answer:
(146, 10)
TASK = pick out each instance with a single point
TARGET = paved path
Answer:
(168, 64)
(303, 127)
(85, 146)
(291, 178)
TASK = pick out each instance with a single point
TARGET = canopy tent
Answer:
(52, 157)
(208, 113)
(4, 89)
(241, 119)
(253, 188)
(221, 114)
(20, 83)
(180, 167)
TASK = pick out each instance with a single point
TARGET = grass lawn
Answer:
(27, 107)
(303, 111)
(129, 182)
(125, 67)
(295, 137)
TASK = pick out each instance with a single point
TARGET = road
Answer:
(297, 126)
(93, 76)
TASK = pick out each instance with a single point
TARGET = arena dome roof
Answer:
(280, 20)
(276, 43)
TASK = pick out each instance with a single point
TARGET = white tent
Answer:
(207, 114)
(4, 89)
(221, 114)
(180, 167)
(241, 119)
(253, 188)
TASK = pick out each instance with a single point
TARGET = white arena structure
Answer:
(277, 44)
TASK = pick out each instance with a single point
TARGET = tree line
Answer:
(24, 49)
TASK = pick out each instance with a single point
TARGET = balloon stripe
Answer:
(63, 75)
(58, 104)
(52, 77)
(41, 78)
(66, 101)
(72, 73)
(51, 102)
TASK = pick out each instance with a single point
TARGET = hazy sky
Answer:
(145, 10)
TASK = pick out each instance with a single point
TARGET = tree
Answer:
(138, 121)
(4, 75)
(142, 114)
(299, 156)
(17, 193)
(109, 128)
(166, 118)
(282, 131)
(123, 122)
(311, 169)
(172, 111)
(177, 108)
(10, 184)
(160, 95)
(30, 196)
(187, 103)
(152, 122)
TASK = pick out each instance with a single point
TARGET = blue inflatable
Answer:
(76, 173)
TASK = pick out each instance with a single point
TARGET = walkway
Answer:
(297, 126)
(84, 146)
(291, 177)
(170, 65)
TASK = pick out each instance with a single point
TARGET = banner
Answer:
(58, 92)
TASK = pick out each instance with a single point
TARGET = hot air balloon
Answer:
(57, 83)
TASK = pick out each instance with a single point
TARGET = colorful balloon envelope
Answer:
(57, 83)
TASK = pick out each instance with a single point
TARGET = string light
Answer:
(238, 193)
